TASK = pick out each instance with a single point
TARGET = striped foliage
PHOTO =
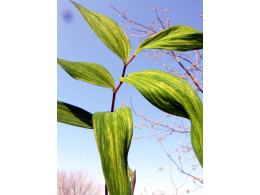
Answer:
(88, 72)
(108, 31)
(131, 174)
(178, 38)
(113, 132)
(173, 95)
(73, 115)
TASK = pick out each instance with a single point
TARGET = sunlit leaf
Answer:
(178, 38)
(108, 31)
(73, 115)
(88, 72)
(113, 132)
(175, 96)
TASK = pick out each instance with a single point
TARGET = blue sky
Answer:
(76, 42)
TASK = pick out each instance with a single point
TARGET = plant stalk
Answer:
(119, 85)
(114, 98)
(106, 191)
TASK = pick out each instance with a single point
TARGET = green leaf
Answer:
(178, 38)
(73, 115)
(88, 72)
(157, 91)
(131, 174)
(113, 132)
(173, 95)
(108, 31)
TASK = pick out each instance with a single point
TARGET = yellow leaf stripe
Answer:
(108, 31)
(88, 72)
(73, 115)
(173, 95)
(178, 38)
(113, 132)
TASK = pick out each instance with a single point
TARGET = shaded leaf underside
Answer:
(73, 115)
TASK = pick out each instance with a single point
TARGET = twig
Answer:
(181, 170)
(122, 15)
(188, 72)
(159, 19)
(154, 122)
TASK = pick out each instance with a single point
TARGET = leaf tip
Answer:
(58, 60)
(76, 4)
(72, 2)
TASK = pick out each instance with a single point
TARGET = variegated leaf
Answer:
(73, 115)
(178, 38)
(88, 72)
(108, 31)
(173, 95)
(113, 132)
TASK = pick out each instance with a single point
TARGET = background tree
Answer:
(77, 183)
